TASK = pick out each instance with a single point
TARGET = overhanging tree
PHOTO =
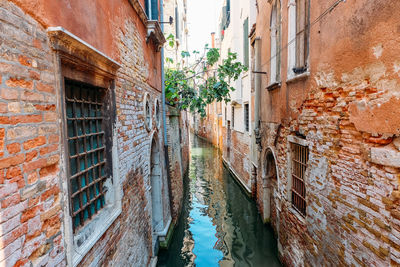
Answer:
(194, 86)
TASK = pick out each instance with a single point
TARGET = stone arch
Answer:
(156, 186)
(270, 186)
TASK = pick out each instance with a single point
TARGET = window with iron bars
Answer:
(299, 155)
(87, 129)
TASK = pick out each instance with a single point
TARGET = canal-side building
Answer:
(228, 125)
(327, 81)
(82, 175)
(175, 12)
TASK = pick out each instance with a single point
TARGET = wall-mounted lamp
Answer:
(170, 21)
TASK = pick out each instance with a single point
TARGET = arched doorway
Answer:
(156, 187)
(270, 184)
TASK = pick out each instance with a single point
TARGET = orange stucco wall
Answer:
(96, 22)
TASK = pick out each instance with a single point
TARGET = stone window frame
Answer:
(275, 45)
(303, 142)
(157, 113)
(147, 112)
(77, 60)
(293, 47)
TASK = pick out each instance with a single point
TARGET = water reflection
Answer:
(219, 224)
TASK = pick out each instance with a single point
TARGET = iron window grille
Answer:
(86, 136)
(300, 156)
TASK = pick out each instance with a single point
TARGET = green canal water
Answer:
(219, 224)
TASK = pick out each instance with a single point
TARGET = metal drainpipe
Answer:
(257, 84)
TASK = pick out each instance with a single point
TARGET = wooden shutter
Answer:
(246, 42)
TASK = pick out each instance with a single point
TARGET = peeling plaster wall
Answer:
(347, 109)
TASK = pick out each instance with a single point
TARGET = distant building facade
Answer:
(82, 166)
(176, 120)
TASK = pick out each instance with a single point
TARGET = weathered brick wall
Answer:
(32, 229)
(347, 111)
(178, 154)
(30, 213)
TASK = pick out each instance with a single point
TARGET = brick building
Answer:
(82, 174)
(328, 170)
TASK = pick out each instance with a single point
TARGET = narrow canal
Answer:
(219, 224)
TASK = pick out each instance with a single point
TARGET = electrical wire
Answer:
(320, 17)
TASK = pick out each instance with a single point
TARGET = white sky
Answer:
(202, 21)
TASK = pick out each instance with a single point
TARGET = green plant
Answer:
(207, 79)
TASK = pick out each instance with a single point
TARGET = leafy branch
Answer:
(207, 79)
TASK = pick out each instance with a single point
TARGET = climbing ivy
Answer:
(207, 79)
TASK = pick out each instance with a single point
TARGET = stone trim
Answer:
(74, 51)
(155, 34)
(302, 142)
(137, 6)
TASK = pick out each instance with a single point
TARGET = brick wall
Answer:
(32, 223)
(345, 112)
(178, 154)
(30, 214)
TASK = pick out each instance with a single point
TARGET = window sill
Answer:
(274, 86)
(296, 213)
(298, 77)
(96, 228)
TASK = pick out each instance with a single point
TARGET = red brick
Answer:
(14, 148)
(52, 169)
(54, 139)
(13, 172)
(21, 119)
(34, 165)
(34, 75)
(19, 83)
(11, 201)
(48, 149)
(37, 43)
(50, 192)
(31, 212)
(12, 236)
(45, 88)
(32, 178)
(31, 155)
(24, 60)
(39, 141)
(50, 116)
(3, 108)
(12, 161)
(9, 94)
(32, 96)
(45, 107)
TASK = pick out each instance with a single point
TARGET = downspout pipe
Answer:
(257, 85)
(256, 125)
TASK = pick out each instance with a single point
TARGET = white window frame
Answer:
(292, 31)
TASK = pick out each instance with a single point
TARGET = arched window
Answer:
(275, 32)
(147, 112)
